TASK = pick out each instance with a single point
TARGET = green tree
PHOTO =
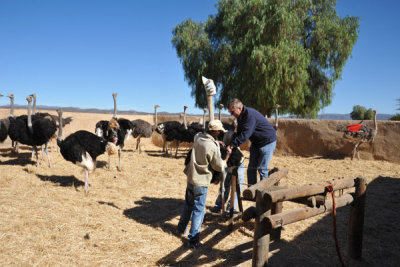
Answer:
(358, 112)
(268, 52)
(361, 113)
(397, 116)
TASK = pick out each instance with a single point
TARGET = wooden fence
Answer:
(269, 217)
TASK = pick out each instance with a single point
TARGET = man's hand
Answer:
(229, 151)
(221, 143)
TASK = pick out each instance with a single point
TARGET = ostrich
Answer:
(54, 118)
(5, 123)
(277, 106)
(359, 134)
(33, 130)
(170, 131)
(82, 148)
(142, 128)
(116, 130)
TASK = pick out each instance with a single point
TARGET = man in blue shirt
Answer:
(254, 126)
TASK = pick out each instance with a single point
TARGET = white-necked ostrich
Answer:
(82, 148)
(142, 128)
(121, 127)
(359, 134)
(33, 130)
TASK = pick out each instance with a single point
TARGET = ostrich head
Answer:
(160, 128)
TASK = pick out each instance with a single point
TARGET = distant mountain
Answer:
(87, 110)
(327, 116)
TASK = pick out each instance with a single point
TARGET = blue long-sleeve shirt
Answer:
(254, 126)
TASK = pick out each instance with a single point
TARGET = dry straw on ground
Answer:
(128, 217)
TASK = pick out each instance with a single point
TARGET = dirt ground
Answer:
(128, 217)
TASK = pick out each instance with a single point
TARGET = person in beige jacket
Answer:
(205, 159)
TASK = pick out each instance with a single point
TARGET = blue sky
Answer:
(77, 52)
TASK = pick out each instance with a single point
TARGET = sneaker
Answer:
(194, 244)
(215, 209)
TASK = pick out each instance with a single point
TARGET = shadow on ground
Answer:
(62, 180)
(157, 212)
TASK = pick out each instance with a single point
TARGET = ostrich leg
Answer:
(355, 150)
(176, 151)
(119, 158)
(86, 182)
(37, 156)
(47, 154)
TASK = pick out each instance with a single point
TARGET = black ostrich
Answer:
(5, 123)
(65, 121)
(116, 131)
(32, 130)
(82, 148)
(142, 128)
(170, 132)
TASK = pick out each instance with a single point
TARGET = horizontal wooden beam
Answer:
(291, 216)
(307, 190)
(250, 193)
(311, 201)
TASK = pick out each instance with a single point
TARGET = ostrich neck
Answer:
(276, 118)
(30, 117)
(219, 114)
(204, 121)
(60, 126)
(115, 107)
(184, 120)
(375, 124)
(156, 121)
(34, 106)
(11, 107)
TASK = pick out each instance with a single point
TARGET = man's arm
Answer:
(217, 163)
(246, 130)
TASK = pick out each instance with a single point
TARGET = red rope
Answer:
(329, 188)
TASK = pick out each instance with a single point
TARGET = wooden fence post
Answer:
(262, 231)
(356, 221)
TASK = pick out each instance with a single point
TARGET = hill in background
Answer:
(327, 116)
